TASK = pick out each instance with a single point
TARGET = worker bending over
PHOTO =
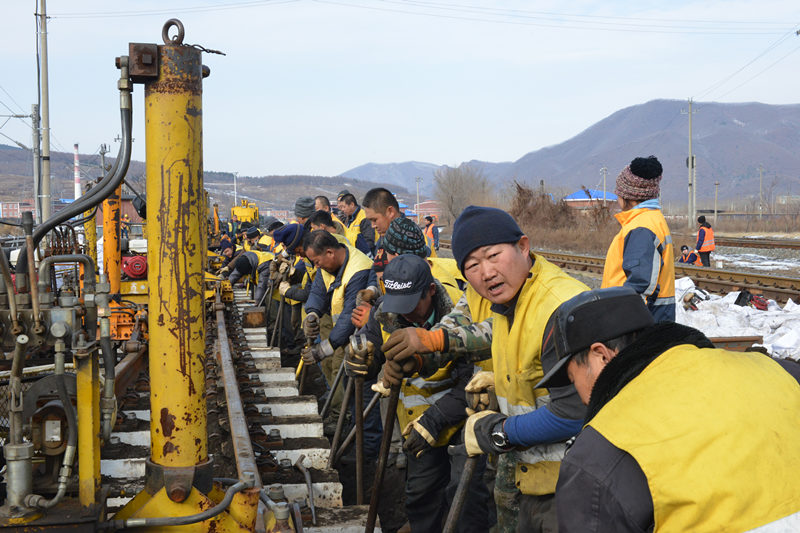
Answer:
(343, 271)
(431, 410)
(679, 435)
(358, 229)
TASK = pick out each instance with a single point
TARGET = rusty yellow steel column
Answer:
(175, 256)
(88, 381)
(90, 237)
(112, 255)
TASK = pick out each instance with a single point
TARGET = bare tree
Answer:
(456, 188)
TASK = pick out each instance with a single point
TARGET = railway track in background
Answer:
(735, 242)
(778, 288)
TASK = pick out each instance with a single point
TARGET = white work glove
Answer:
(480, 393)
(283, 287)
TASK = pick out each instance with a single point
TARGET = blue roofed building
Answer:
(587, 198)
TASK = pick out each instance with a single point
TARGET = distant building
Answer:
(581, 200)
(281, 214)
(428, 208)
(14, 209)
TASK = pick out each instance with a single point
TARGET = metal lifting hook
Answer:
(178, 39)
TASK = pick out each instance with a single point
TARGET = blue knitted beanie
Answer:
(478, 226)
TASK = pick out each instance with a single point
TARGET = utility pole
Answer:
(690, 164)
(418, 179)
(37, 165)
(45, 101)
(235, 192)
(604, 170)
(103, 151)
(760, 189)
(716, 190)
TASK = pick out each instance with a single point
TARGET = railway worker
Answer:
(431, 232)
(358, 228)
(524, 289)
(342, 272)
(691, 451)
(380, 208)
(233, 226)
(125, 223)
(253, 264)
(251, 237)
(303, 208)
(403, 236)
(641, 255)
(321, 203)
(705, 241)
(689, 257)
(265, 242)
(324, 220)
(431, 410)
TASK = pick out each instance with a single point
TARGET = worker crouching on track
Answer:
(343, 271)
(692, 448)
(524, 289)
(689, 257)
(432, 409)
(641, 255)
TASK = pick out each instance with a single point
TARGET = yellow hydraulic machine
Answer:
(179, 472)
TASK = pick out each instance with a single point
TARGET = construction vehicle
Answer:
(246, 212)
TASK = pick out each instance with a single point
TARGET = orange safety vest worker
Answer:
(708, 240)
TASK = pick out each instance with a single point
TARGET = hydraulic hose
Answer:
(110, 181)
(35, 500)
(183, 520)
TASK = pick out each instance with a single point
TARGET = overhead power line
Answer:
(558, 20)
(724, 80)
(170, 11)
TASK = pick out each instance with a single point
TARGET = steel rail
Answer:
(240, 435)
(127, 370)
(779, 288)
(743, 242)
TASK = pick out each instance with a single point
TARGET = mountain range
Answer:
(730, 141)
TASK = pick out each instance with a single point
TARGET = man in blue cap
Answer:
(524, 289)
(431, 410)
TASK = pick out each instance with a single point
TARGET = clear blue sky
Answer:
(319, 87)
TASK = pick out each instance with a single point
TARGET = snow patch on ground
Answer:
(719, 316)
(757, 262)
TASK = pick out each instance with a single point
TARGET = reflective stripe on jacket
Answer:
(687, 419)
(690, 258)
(516, 358)
(641, 257)
(705, 240)
(417, 394)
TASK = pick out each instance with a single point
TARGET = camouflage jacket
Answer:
(465, 339)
